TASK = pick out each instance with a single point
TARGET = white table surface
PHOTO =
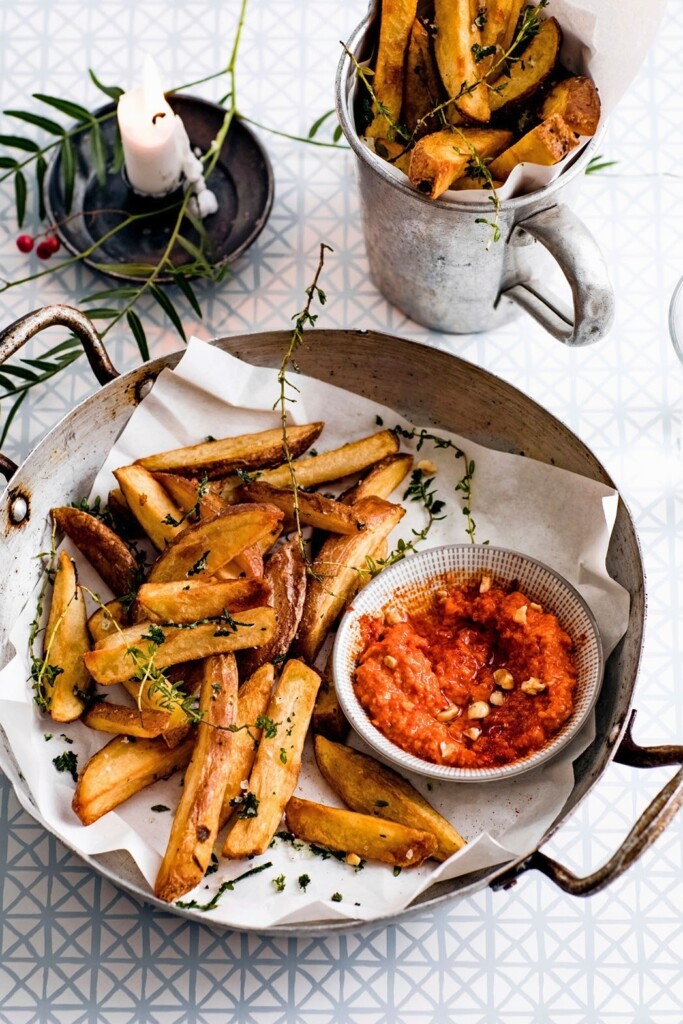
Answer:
(74, 948)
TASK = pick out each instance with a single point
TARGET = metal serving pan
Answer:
(427, 386)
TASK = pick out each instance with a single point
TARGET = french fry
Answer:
(285, 574)
(577, 101)
(381, 481)
(535, 66)
(328, 718)
(182, 602)
(511, 10)
(336, 571)
(276, 768)
(441, 158)
(546, 144)
(121, 769)
(314, 509)
(394, 152)
(195, 824)
(368, 837)
(104, 549)
(65, 680)
(498, 29)
(421, 90)
(121, 656)
(369, 787)
(394, 31)
(247, 451)
(150, 504)
(149, 697)
(252, 701)
(335, 464)
(203, 548)
(107, 620)
(457, 37)
(124, 721)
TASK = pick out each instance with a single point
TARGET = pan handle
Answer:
(17, 334)
(649, 826)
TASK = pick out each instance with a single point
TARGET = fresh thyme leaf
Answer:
(248, 803)
(381, 803)
(336, 897)
(396, 871)
(268, 725)
(47, 736)
(482, 52)
(223, 887)
(158, 808)
(199, 565)
(304, 881)
(192, 513)
(280, 883)
(213, 866)
(155, 635)
(67, 762)
(283, 755)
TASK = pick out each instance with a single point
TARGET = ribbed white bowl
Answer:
(408, 585)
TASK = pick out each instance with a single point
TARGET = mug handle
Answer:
(583, 265)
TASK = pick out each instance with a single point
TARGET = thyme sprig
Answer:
(42, 673)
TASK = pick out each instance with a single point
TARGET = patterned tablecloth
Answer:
(74, 948)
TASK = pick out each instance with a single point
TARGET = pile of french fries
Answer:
(477, 83)
(199, 639)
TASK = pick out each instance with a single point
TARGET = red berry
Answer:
(24, 243)
(53, 242)
(44, 251)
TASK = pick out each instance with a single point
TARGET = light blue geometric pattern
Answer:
(75, 950)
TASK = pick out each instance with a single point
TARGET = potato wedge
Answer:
(328, 719)
(124, 721)
(182, 602)
(285, 575)
(394, 153)
(369, 837)
(546, 144)
(368, 786)
(163, 701)
(278, 761)
(126, 523)
(421, 89)
(394, 31)
(123, 655)
(122, 768)
(252, 701)
(195, 824)
(577, 101)
(107, 553)
(336, 571)
(457, 37)
(335, 464)
(314, 509)
(247, 451)
(150, 504)
(440, 159)
(537, 62)
(381, 481)
(508, 18)
(106, 620)
(467, 184)
(64, 680)
(203, 548)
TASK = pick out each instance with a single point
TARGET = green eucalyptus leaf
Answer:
(98, 153)
(337, 134)
(68, 165)
(74, 110)
(20, 191)
(169, 309)
(187, 290)
(112, 293)
(101, 312)
(16, 142)
(316, 126)
(112, 91)
(138, 333)
(41, 168)
(12, 413)
(7, 161)
(19, 371)
(192, 249)
(40, 122)
(129, 269)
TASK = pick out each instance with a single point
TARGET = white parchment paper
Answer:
(604, 39)
(561, 518)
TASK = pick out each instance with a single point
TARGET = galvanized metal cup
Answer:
(430, 257)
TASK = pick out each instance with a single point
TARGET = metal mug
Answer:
(430, 257)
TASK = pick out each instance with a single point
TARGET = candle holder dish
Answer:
(242, 182)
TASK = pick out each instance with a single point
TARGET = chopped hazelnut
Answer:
(520, 616)
(532, 686)
(497, 698)
(504, 679)
(449, 713)
(389, 661)
(485, 585)
(478, 709)
(473, 733)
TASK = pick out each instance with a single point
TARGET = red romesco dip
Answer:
(475, 681)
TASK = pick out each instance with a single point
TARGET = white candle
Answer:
(149, 133)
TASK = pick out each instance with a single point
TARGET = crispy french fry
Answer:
(150, 504)
(367, 786)
(577, 101)
(511, 10)
(528, 74)
(457, 37)
(336, 571)
(106, 620)
(124, 721)
(381, 481)
(278, 760)
(104, 549)
(394, 31)
(164, 701)
(285, 574)
(394, 152)
(498, 30)
(121, 656)
(195, 599)
(247, 451)
(368, 837)
(210, 544)
(65, 680)
(546, 144)
(314, 509)
(421, 89)
(195, 824)
(335, 464)
(252, 701)
(328, 718)
(440, 159)
(121, 768)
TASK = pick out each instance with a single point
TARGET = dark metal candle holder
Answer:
(242, 182)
